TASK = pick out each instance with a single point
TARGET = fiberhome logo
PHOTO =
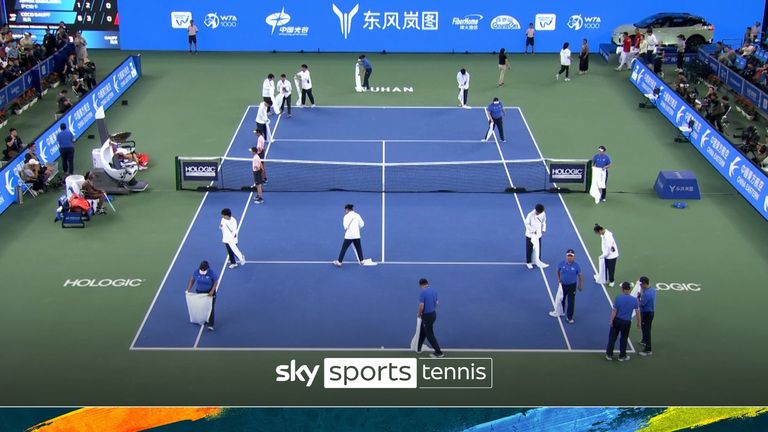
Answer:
(389, 373)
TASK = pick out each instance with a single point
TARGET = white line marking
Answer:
(181, 245)
(567, 212)
(459, 350)
(391, 107)
(346, 140)
(522, 215)
(490, 263)
(383, 195)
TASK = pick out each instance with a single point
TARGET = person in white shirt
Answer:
(565, 62)
(284, 91)
(462, 78)
(192, 35)
(535, 227)
(608, 257)
(268, 89)
(262, 118)
(306, 86)
(650, 48)
(229, 229)
(258, 175)
(352, 224)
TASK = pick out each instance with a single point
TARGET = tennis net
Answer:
(231, 173)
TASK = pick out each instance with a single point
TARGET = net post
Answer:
(177, 164)
(588, 181)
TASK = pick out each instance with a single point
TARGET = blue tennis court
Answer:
(469, 245)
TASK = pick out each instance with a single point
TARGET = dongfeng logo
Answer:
(180, 20)
(278, 19)
(505, 22)
(345, 18)
(545, 22)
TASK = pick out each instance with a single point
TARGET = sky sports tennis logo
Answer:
(200, 170)
(391, 373)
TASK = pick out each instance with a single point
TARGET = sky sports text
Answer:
(391, 373)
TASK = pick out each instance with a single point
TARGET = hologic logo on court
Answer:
(200, 170)
(505, 22)
(391, 373)
(345, 18)
(545, 22)
(103, 283)
(180, 20)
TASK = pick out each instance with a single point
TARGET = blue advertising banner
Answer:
(397, 25)
(77, 119)
(744, 176)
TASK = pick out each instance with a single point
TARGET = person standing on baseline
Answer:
(363, 60)
(352, 224)
(503, 65)
(608, 257)
(603, 161)
(306, 86)
(529, 34)
(462, 78)
(495, 114)
(584, 57)
(268, 89)
(229, 230)
(647, 299)
(565, 62)
(192, 35)
(570, 278)
(205, 281)
(428, 314)
(285, 90)
(67, 149)
(535, 227)
(621, 322)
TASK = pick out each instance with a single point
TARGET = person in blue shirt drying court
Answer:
(363, 60)
(495, 114)
(603, 161)
(647, 299)
(569, 276)
(205, 281)
(621, 321)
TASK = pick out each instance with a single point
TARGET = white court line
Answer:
(488, 263)
(181, 245)
(383, 196)
(393, 107)
(347, 140)
(242, 221)
(567, 212)
(522, 215)
(402, 350)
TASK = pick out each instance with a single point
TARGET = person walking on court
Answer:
(268, 89)
(503, 65)
(428, 314)
(363, 60)
(529, 34)
(262, 118)
(284, 90)
(229, 230)
(602, 161)
(258, 175)
(352, 224)
(462, 78)
(565, 62)
(67, 149)
(495, 114)
(608, 257)
(570, 279)
(205, 281)
(192, 35)
(621, 322)
(535, 227)
(647, 299)
(306, 86)
(584, 57)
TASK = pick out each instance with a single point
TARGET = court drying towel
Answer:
(559, 300)
(199, 306)
(415, 339)
(598, 182)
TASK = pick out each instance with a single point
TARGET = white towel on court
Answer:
(601, 276)
(598, 182)
(278, 102)
(297, 84)
(559, 300)
(535, 255)
(358, 77)
(634, 293)
(199, 307)
(415, 339)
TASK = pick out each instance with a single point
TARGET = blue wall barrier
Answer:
(737, 82)
(399, 25)
(749, 180)
(78, 119)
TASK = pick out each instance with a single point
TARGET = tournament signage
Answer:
(78, 119)
(567, 172)
(749, 180)
(200, 171)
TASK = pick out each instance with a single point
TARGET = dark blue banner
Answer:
(199, 171)
(745, 177)
(567, 172)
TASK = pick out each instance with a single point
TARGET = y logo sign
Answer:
(289, 372)
(345, 19)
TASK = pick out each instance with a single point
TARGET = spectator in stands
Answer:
(680, 53)
(719, 48)
(79, 87)
(70, 68)
(63, 102)
(756, 30)
(26, 43)
(3, 59)
(13, 136)
(62, 38)
(681, 84)
(81, 48)
(91, 192)
(48, 171)
(12, 49)
(749, 71)
(12, 148)
(747, 36)
(13, 71)
(748, 49)
(759, 77)
(38, 53)
(31, 173)
(727, 56)
(49, 42)
(760, 154)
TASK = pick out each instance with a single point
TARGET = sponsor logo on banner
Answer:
(578, 22)
(468, 22)
(410, 20)
(9, 183)
(102, 283)
(387, 89)
(545, 22)
(345, 19)
(213, 21)
(388, 373)
(678, 286)
(566, 173)
(180, 20)
(200, 170)
(505, 22)
(280, 19)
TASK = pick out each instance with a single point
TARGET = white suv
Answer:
(667, 26)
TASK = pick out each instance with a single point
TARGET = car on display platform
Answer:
(667, 26)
